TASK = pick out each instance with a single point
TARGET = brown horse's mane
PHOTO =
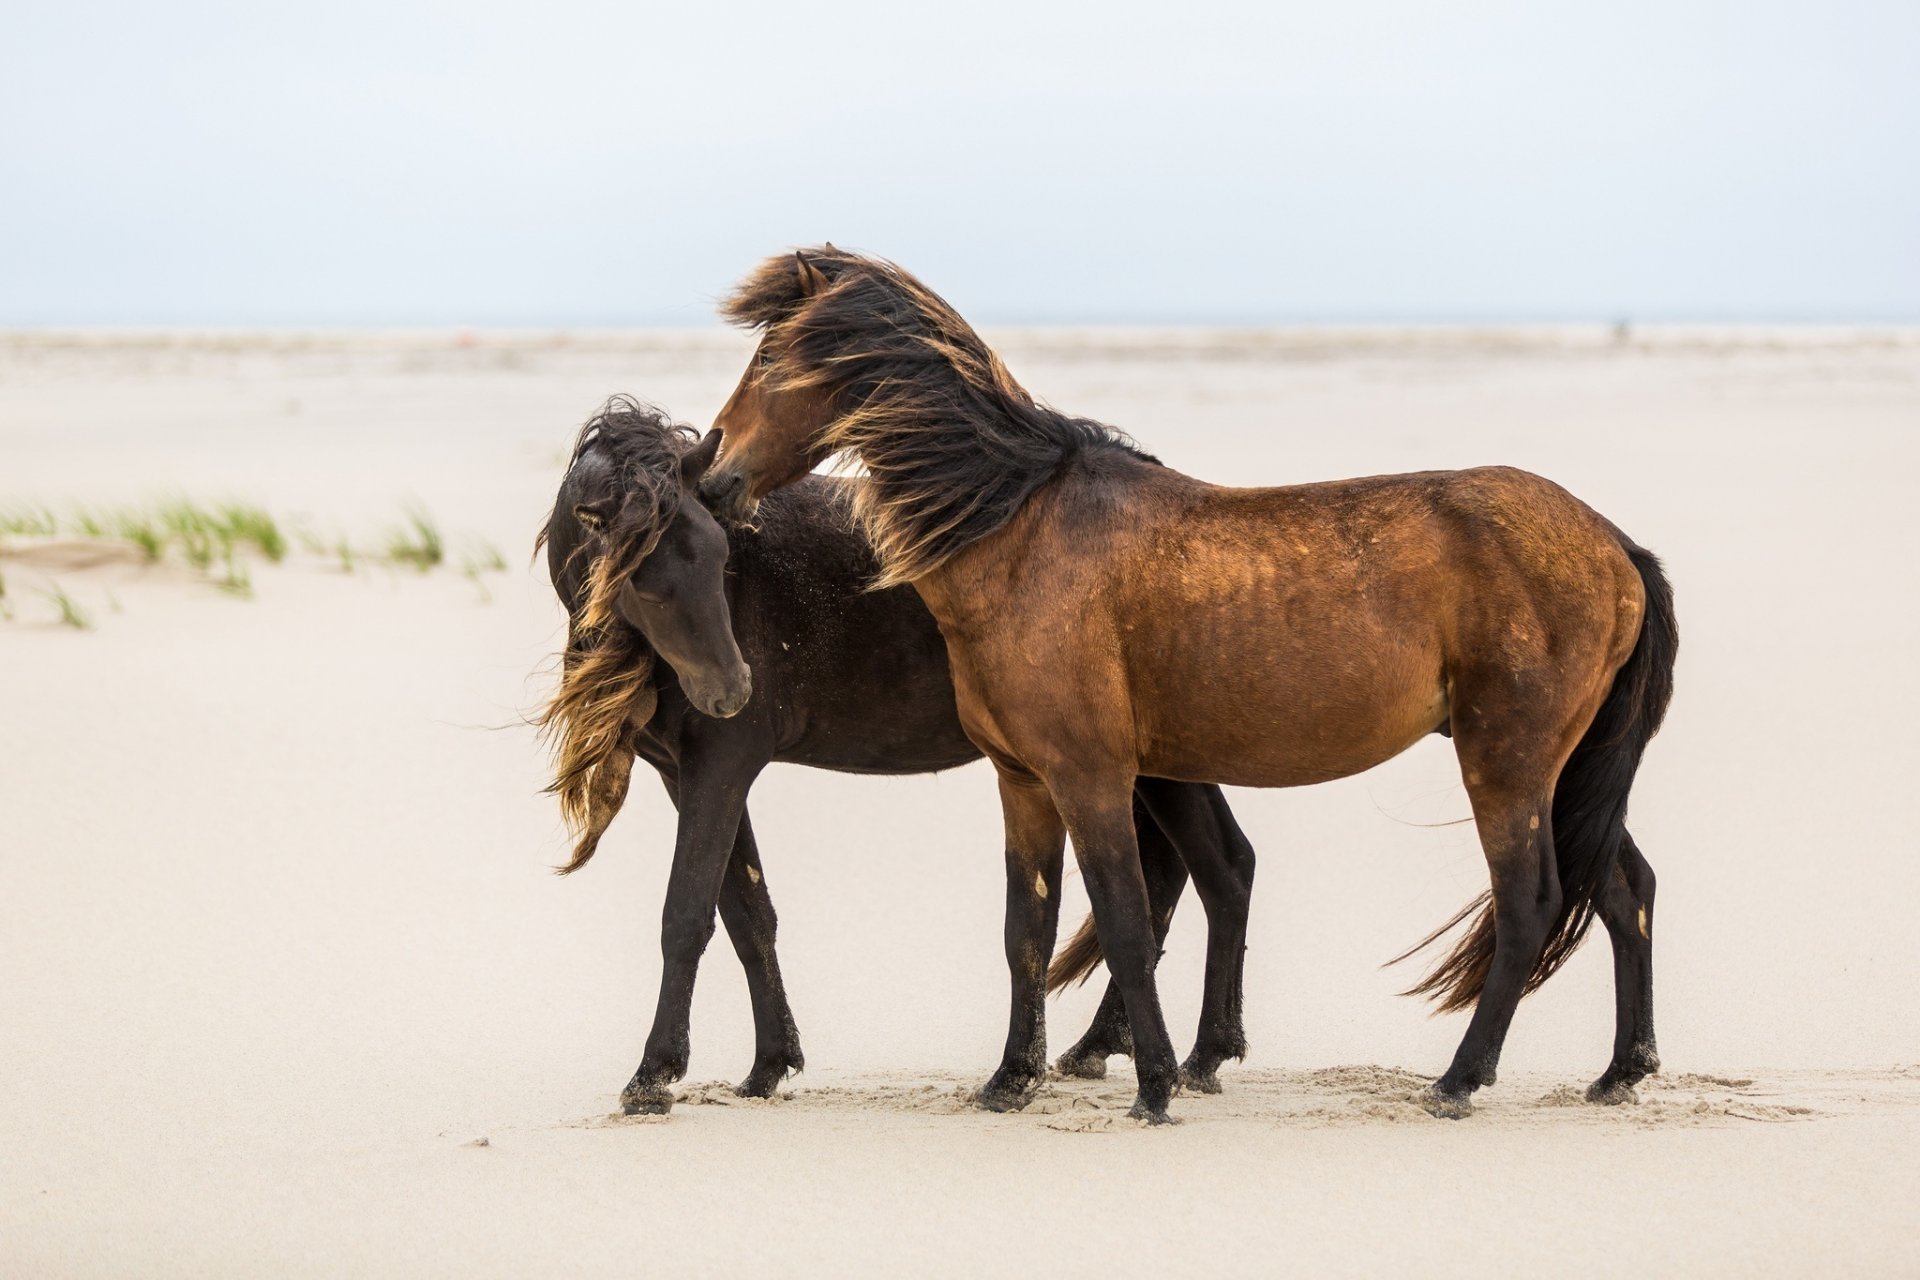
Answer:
(952, 445)
(606, 689)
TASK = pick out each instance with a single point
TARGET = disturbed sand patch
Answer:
(1339, 1096)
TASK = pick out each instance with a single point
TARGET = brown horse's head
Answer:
(858, 357)
(772, 425)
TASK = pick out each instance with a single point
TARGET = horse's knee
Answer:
(686, 937)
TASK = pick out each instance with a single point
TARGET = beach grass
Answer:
(223, 541)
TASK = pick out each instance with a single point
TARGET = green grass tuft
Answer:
(29, 522)
(418, 543)
(252, 524)
(71, 614)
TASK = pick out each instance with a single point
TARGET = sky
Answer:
(413, 162)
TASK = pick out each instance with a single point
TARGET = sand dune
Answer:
(280, 948)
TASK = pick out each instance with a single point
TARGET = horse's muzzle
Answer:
(725, 493)
(725, 700)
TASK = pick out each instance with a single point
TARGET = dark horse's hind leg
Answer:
(746, 911)
(1626, 908)
(1220, 858)
(1181, 826)
(712, 796)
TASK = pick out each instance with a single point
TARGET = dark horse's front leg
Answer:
(1182, 825)
(746, 909)
(712, 796)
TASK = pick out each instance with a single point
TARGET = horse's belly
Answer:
(1265, 723)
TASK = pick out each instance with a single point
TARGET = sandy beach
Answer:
(286, 987)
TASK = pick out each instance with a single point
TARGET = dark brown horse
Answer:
(1108, 617)
(843, 678)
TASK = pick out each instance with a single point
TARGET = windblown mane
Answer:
(953, 446)
(606, 691)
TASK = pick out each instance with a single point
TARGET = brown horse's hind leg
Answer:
(1626, 908)
(746, 911)
(1516, 831)
(1166, 876)
(1035, 845)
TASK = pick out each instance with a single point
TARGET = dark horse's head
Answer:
(640, 565)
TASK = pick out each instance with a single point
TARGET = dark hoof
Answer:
(1447, 1103)
(646, 1100)
(1082, 1066)
(1200, 1080)
(768, 1073)
(1611, 1093)
(1143, 1110)
(1006, 1091)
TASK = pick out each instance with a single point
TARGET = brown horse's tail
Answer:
(1078, 959)
(1589, 807)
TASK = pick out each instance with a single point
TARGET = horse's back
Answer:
(1295, 634)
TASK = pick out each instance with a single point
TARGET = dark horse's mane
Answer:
(952, 445)
(606, 691)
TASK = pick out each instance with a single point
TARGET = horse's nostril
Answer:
(718, 487)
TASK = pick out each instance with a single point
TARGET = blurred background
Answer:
(478, 163)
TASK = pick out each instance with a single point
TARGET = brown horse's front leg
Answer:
(1035, 843)
(1166, 876)
(1099, 817)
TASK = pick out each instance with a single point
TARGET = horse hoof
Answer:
(1447, 1104)
(1006, 1092)
(1198, 1081)
(653, 1100)
(1612, 1091)
(757, 1085)
(766, 1076)
(1142, 1110)
(1082, 1066)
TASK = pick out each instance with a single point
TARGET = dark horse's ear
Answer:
(695, 461)
(593, 514)
(812, 280)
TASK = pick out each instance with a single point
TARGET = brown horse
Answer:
(1108, 617)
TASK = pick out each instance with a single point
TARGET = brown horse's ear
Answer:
(812, 280)
(593, 514)
(695, 461)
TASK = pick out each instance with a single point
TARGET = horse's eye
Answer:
(766, 356)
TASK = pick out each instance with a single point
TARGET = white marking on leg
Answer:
(753, 873)
(1040, 883)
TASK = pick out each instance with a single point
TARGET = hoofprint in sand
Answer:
(280, 947)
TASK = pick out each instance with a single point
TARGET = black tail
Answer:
(1589, 806)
